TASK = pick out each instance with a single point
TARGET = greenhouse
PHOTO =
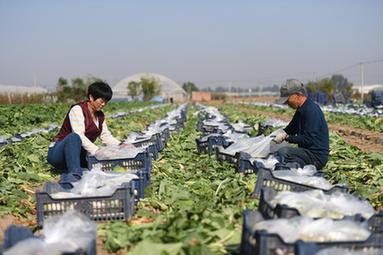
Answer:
(169, 89)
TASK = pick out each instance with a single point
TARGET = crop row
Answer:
(21, 118)
(356, 121)
(23, 166)
(193, 205)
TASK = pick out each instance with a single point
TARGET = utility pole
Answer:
(34, 80)
(361, 79)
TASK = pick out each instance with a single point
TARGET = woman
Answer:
(83, 124)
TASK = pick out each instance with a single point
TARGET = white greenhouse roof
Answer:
(167, 85)
(6, 89)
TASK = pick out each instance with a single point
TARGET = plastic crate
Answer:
(213, 130)
(201, 145)
(215, 141)
(199, 125)
(150, 142)
(265, 178)
(245, 164)
(142, 162)
(165, 135)
(263, 243)
(222, 156)
(139, 184)
(118, 206)
(15, 234)
(153, 148)
(307, 248)
(375, 222)
(211, 143)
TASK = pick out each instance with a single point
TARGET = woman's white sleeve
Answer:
(106, 137)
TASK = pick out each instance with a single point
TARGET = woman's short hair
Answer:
(100, 89)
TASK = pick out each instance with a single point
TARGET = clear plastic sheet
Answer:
(320, 230)
(234, 136)
(304, 176)
(275, 123)
(97, 183)
(241, 127)
(268, 163)
(134, 137)
(62, 233)
(117, 152)
(316, 204)
(258, 147)
(243, 145)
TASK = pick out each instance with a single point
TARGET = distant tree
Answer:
(150, 87)
(342, 85)
(74, 92)
(189, 87)
(134, 89)
(312, 87)
(330, 86)
(220, 89)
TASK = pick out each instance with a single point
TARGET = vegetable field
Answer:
(194, 203)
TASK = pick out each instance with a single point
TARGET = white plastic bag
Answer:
(316, 204)
(258, 147)
(99, 183)
(117, 152)
(303, 176)
(268, 163)
(320, 230)
(69, 232)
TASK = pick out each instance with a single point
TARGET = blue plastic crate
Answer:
(265, 178)
(165, 135)
(149, 142)
(206, 129)
(215, 141)
(118, 206)
(15, 234)
(222, 156)
(263, 243)
(142, 162)
(201, 145)
(153, 148)
(245, 164)
(211, 143)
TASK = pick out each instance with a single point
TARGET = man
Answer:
(308, 129)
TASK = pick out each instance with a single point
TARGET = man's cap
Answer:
(291, 87)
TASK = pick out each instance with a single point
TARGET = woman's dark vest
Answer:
(92, 132)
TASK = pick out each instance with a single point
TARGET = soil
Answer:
(6, 221)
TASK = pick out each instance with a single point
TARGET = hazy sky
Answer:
(208, 42)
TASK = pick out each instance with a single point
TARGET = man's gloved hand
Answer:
(280, 136)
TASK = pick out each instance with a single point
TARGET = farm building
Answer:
(201, 96)
(169, 88)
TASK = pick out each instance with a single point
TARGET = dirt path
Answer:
(365, 140)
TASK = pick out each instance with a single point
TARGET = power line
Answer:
(274, 78)
(351, 66)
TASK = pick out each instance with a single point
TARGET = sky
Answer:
(211, 43)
